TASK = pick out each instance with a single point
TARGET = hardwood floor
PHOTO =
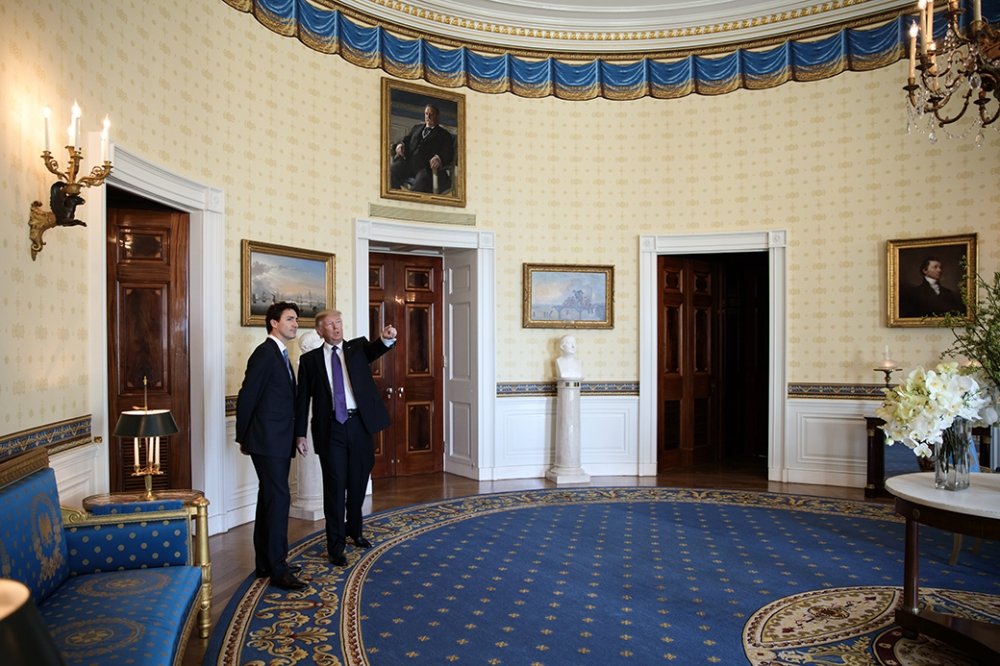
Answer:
(232, 552)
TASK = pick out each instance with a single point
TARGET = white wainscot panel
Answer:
(827, 442)
(78, 472)
(240, 485)
(525, 446)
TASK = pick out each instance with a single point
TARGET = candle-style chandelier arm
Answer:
(937, 104)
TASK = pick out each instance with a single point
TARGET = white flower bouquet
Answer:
(918, 411)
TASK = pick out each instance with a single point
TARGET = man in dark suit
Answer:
(929, 298)
(347, 411)
(265, 430)
(423, 154)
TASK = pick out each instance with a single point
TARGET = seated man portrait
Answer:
(420, 159)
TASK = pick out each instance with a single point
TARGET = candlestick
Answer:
(46, 112)
(105, 135)
(977, 11)
(923, 26)
(930, 20)
(913, 49)
(135, 451)
(76, 125)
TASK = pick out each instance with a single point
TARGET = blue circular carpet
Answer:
(612, 575)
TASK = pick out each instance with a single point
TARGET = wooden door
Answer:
(406, 291)
(688, 412)
(147, 264)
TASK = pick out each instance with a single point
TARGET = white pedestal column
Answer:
(567, 468)
(308, 501)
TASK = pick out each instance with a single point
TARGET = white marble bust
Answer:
(567, 363)
(309, 340)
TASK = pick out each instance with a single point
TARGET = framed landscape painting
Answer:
(558, 296)
(927, 278)
(275, 273)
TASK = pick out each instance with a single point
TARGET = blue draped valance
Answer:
(580, 77)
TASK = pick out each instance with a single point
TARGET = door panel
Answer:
(147, 262)
(462, 371)
(687, 413)
(406, 291)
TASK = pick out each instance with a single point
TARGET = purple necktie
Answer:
(339, 397)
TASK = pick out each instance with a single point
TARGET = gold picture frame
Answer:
(911, 298)
(568, 296)
(403, 107)
(274, 273)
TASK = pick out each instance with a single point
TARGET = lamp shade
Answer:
(146, 423)
(24, 638)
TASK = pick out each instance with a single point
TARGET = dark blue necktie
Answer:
(284, 354)
(339, 396)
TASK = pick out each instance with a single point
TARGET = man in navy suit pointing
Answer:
(347, 411)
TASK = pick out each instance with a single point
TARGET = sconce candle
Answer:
(105, 135)
(46, 112)
(76, 126)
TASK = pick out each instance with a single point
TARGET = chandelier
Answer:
(948, 77)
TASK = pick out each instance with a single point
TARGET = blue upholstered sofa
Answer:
(124, 584)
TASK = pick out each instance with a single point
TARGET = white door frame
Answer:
(650, 247)
(206, 334)
(367, 231)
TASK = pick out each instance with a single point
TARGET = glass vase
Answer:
(951, 456)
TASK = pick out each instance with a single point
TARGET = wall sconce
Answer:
(145, 427)
(64, 195)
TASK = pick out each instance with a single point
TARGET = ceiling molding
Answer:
(588, 27)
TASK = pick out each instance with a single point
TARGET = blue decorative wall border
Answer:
(837, 391)
(522, 389)
(56, 437)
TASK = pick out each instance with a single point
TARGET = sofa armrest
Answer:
(128, 538)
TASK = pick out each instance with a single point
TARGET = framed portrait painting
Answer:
(927, 278)
(275, 273)
(423, 144)
(558, 296)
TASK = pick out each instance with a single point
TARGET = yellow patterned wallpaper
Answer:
(292, 137)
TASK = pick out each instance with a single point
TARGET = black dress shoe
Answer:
(287, 581)
(361, 542)
(261, 573)
(339, 559)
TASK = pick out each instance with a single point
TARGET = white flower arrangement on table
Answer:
(918, 411)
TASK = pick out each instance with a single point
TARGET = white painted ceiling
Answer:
(620, 25)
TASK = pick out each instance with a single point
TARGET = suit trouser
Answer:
(270, 528)
(346, 464)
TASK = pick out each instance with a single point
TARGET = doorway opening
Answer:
(405, 290)
(148, 321)
(468, 330)
(712, 369)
